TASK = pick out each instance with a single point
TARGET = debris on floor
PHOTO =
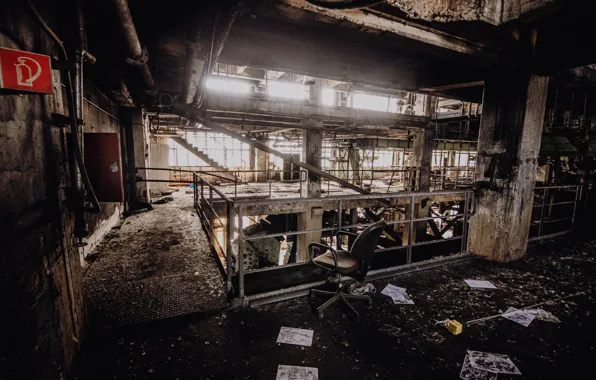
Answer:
(523, 317)
(543, 315)
(398, 295)
(300, 337)
(169, 192)
(480, 284)
(489, 362)
(360, 288)
(390, 330)
(163, 200)
(290, 372)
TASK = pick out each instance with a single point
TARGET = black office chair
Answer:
(353, 263)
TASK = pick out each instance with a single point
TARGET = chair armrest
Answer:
(326, 248)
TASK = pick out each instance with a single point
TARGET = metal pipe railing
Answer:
(547, 201)
(413, 198)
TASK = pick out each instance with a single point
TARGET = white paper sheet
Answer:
(290, 372)
(520, 316)
(497, 363)
(480, 284)
(470, 373)
(300, 337)
(398, 295)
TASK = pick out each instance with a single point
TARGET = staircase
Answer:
(203, 156)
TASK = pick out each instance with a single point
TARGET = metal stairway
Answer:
(203, 156)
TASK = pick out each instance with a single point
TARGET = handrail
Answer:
(370, 196)
(215, 189)
(181, 171)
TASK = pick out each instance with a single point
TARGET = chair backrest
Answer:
(363, 248)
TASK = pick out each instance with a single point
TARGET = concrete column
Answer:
(262, 162)
(159, 158)
(422, 151)
(509, 143)
(312, 145)
(252, 162)
(311, 219)
(140, 133)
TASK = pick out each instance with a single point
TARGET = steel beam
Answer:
(192, 113)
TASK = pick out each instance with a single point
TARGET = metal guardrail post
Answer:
(211, 196)
(269, 177)
(229, 248)
(240, 255)
(541, 225)
(202, 190)
(464, 240)
(339, 222)
(235, 185)
(194, 190)
(410, 231)
(578, 191)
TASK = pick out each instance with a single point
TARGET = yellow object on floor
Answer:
(454, 327)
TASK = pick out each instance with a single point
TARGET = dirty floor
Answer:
(389, 341)
(155, 264)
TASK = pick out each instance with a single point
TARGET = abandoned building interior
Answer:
(181, 180)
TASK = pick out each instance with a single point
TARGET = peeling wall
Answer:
(42, 317)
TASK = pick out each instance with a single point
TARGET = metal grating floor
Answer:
(155, 265)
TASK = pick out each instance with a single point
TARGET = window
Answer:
(228, 85)
(288, 90)
(328, 97)
(371, 102)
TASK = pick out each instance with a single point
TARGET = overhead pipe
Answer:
(221, 26)
(192, 47)
(137, 56)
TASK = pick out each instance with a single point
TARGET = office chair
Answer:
(353, 263)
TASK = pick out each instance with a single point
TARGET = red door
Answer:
(102, 160)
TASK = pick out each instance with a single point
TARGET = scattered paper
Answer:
(397, 294)
(300, 337)
(470, 373)
(290, 372)
(543, 315)
(481, 284)
(497, 363)
(523, 317)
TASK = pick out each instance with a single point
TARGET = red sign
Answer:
(24, 71)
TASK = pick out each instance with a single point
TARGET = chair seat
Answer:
(346, 264)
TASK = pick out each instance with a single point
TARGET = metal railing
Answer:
(270, 175)
(410, 199)
(204, 205)
(552, 209)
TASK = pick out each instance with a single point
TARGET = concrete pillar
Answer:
(252, 162)
(262, 162)
(422, 151)
(159, 158)
(312, 145)
(140, 133)
(311, 219)
(509, 143)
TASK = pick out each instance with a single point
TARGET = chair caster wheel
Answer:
(320, 315)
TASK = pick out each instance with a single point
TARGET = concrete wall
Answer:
(159, 151)
(42, 317)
